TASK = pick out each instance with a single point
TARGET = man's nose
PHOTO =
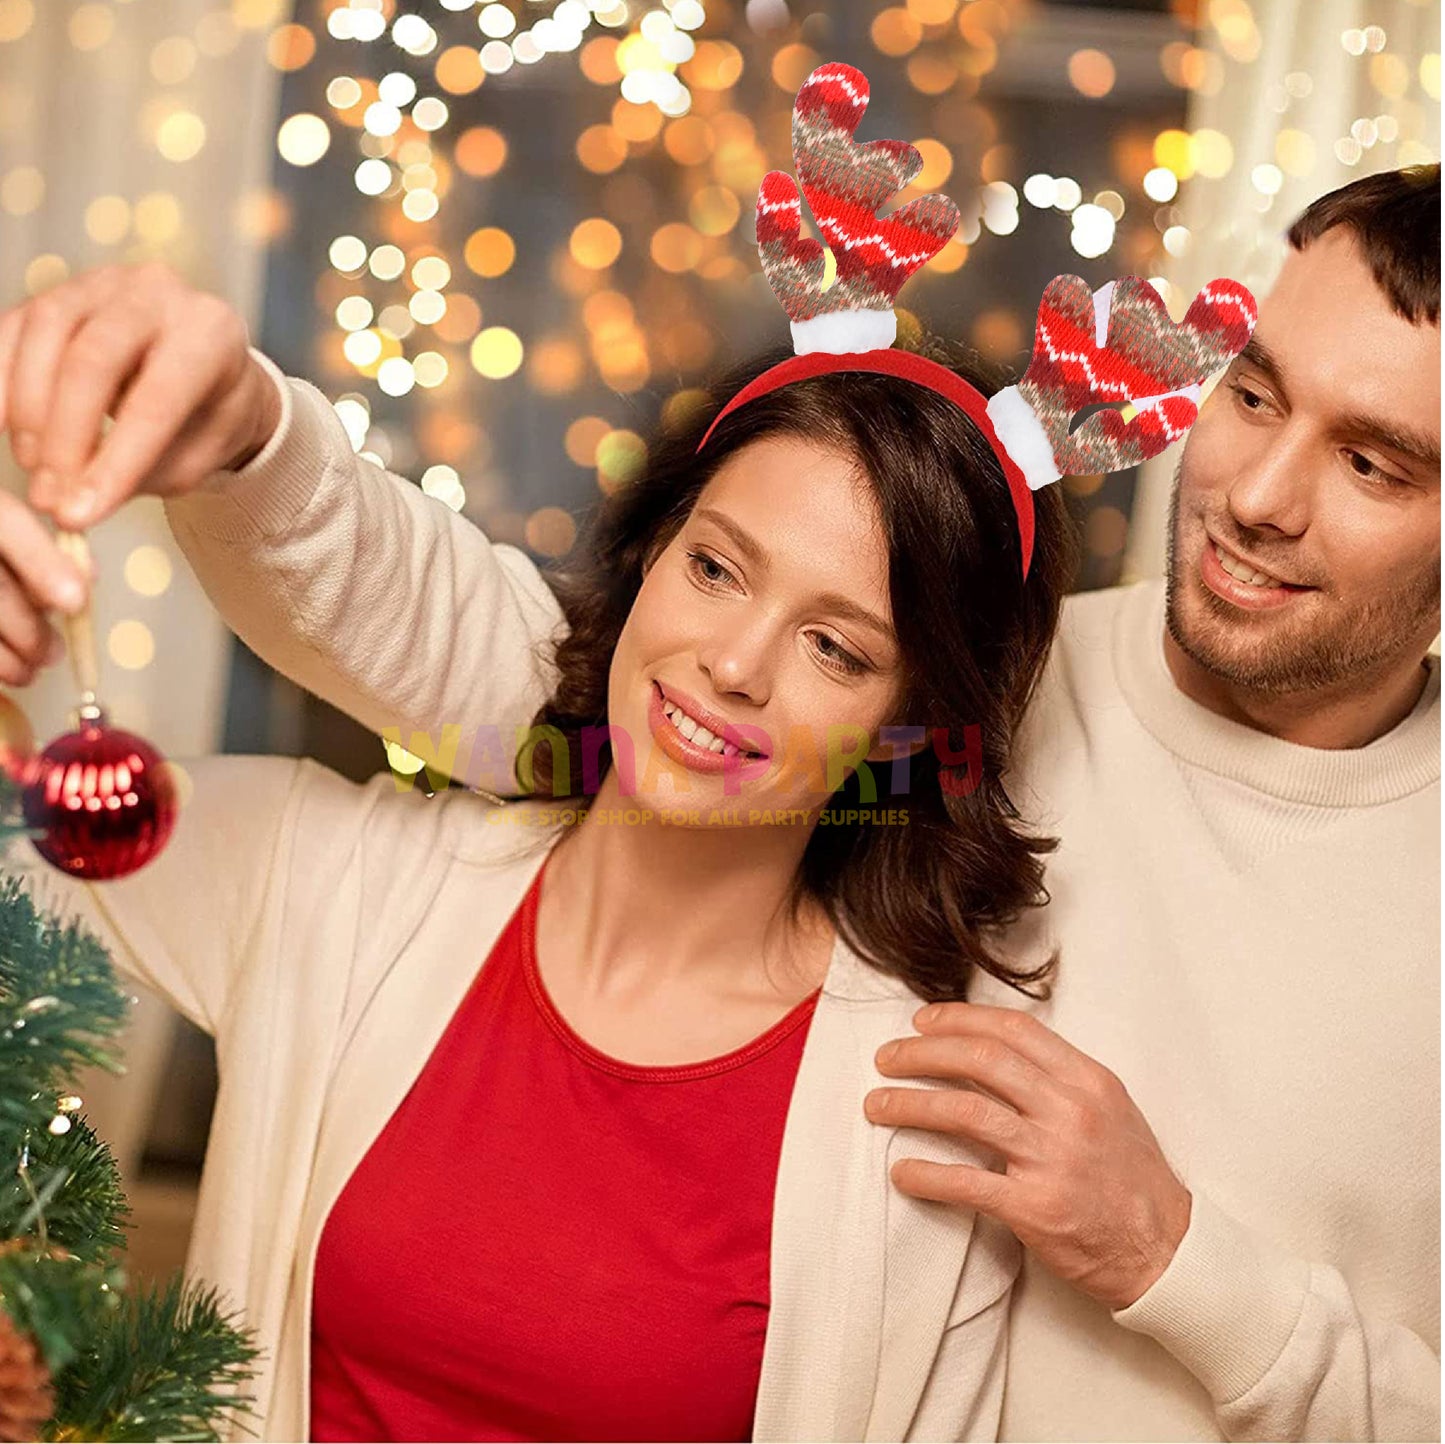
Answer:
(1274, 487)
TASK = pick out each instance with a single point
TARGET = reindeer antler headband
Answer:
(1116, 345)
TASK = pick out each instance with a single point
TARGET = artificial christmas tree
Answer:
(80, 1356)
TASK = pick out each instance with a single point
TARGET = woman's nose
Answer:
(738, 663)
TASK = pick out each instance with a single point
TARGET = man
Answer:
(1243, 766)
(1218, 1137)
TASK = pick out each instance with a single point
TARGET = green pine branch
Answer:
(12, 821)
(160, 1363)
(167, 1367)
(60, 1005)
(85, 1209)
(63, 1302)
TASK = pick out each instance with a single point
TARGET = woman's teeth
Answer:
(1242, 573)
(699, 736)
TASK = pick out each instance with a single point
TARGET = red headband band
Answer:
(911, 367)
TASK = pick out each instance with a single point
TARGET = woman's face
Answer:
(766, 621)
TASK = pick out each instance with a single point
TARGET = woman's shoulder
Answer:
(330, 820)
(852, 978)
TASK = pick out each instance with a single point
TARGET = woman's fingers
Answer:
(194, 453)
(33, 558)
(14, 670)
(102, 355)
(46, 328)
(35, 576)
(47, 324)
(28, 641)
(177, 396)
(170, 364)
(10, 324)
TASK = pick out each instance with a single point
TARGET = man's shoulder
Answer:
(1087, 619)
(1078, 692)
(1081, 660)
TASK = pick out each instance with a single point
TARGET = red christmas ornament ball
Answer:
(105, 800)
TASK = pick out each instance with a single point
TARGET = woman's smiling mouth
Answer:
(685, 738)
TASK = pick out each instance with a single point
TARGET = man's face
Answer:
(1316, 461)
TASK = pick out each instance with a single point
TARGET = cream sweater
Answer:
(1250, 934)
(1250, 938)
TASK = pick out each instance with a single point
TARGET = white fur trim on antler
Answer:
(1023, 437)
(844, 332)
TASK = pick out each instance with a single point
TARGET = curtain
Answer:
(1293, 99)
(129, 131)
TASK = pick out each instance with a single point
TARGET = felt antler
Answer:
(845, 183)
(1120, 345)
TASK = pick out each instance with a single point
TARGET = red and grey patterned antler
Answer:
(1116, 346)
(1143, 358)
(845, 183)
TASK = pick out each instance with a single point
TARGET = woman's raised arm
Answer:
(348, 579)
(373, 595)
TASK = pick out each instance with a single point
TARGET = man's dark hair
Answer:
(1396, 219)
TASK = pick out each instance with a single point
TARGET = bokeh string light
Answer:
(410, 156)
(1289, 99)
(677, 119)
(430, 334)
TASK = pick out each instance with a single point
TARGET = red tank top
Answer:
(546, 1243)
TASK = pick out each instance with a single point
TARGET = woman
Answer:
(438, 1238)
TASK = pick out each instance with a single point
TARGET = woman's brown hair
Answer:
(925, 900)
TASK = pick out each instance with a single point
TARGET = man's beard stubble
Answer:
(1355, 644)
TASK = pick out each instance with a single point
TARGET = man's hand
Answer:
(1086, 1188)
(170, 365)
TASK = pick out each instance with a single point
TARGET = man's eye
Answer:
(1366, 469)
(1250, 400)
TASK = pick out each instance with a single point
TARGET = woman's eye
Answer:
(701, 562)
(839, 657)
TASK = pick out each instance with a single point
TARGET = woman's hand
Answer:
(170, 365)
(35, 576)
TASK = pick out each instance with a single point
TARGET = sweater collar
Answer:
(1404, 760)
